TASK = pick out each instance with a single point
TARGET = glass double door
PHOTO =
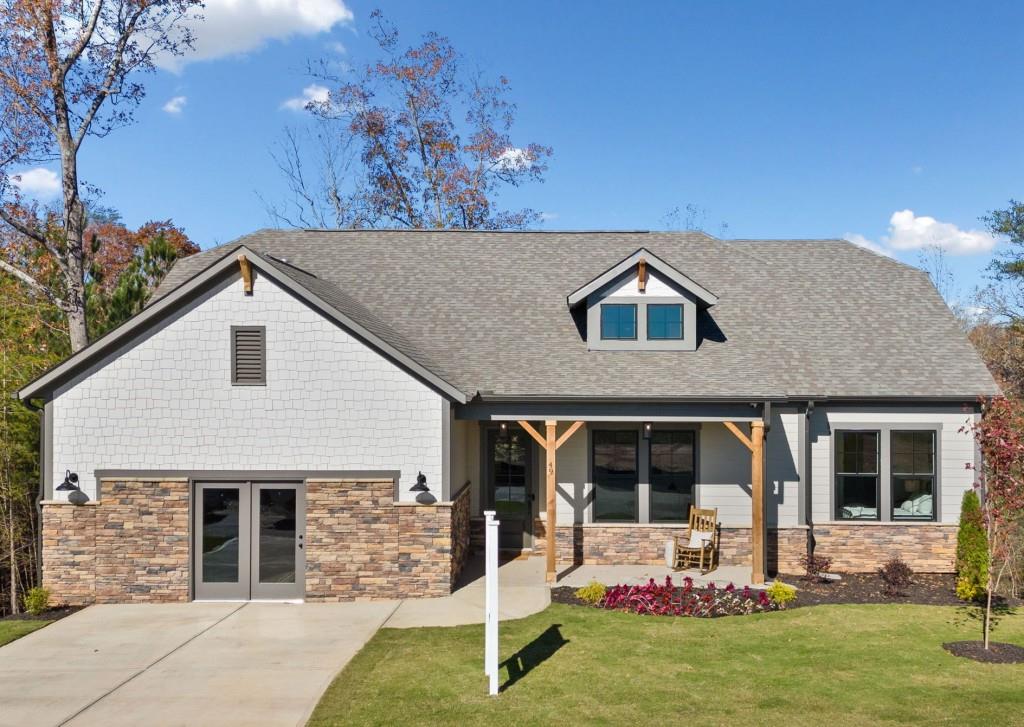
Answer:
(249, 540)
(510, 487)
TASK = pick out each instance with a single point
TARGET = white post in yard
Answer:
(491, 602)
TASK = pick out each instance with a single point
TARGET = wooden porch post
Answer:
(551, 443)
(551, 506)
(757, 502)
(755, 443)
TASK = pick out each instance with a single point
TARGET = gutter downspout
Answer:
(808, 460)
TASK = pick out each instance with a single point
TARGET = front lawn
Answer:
(11, 629)
(835, 665)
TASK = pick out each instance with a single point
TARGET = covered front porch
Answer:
(591, 486)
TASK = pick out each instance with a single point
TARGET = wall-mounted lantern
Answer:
(424, 497)
(647, 430)
(70, 484)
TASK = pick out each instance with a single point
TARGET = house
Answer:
(326, 414)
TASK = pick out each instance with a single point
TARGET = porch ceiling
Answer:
(638, 411)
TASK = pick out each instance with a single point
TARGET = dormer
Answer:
(642, 304)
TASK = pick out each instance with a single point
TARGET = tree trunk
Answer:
(988, 615)
(13, 555)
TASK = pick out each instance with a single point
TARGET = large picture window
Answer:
(857, 490)
(912, 458)
(672, 475)
(618, 322)
(615, 475)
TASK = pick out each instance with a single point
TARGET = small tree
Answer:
(1000, 437)
(971, 549)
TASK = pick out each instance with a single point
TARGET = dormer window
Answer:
(644, 304)
(618, 322)
(664, 322)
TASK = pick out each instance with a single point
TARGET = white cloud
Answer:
(514, 158)
(910, 232)
(176, 105)
(41, 183)
(907, 231)
(310, 94)
(337, 47)
(864, 242)
(548, 216)
(231, 27)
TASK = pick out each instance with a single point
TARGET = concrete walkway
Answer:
(521, 592)
(183, 664)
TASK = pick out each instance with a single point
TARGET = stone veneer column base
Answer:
(865, 547)
(630, 544)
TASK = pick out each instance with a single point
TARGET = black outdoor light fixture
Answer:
(421, 484)
(647, 430)
(70, 484)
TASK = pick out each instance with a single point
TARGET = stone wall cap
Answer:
(91, 503)
(143, 479)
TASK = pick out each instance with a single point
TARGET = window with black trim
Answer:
(615, 475)
(248, 355)
(618, 321)
(664, 321)
(857, 483)
(672, 474)
(912, 466)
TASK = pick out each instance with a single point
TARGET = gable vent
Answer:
(248, 355)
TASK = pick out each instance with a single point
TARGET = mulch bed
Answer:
(51, 614)
(927, 589)
(998, 652)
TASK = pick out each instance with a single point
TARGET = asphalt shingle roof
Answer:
(487, 312)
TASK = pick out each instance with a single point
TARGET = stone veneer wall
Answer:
(361, 544)
(69, 552)
(645, 545)
(865, 547)
(131, 546)
(462, 546)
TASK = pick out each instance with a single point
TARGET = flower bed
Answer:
(667, 599)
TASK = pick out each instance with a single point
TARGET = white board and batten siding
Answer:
(330, 402)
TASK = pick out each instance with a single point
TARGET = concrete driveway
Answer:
(183, 664)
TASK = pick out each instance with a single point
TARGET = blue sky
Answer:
(789, 119)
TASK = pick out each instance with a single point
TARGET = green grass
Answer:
(827, 665)
(11, 630)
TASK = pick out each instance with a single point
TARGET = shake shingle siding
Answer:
(487, 312)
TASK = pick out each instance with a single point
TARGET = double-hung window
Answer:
(857, 475)
(664, 322)
(618, 321)
(615, 470)
(912, 464)
(672, 475)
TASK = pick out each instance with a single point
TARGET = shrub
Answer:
(781, 594)
(896, 575)
(669, 600)
(971, 550)
(37, 600)
(592, 593)
(815, 567)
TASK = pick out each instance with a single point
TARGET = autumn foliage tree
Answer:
(1000, 437)
(432, 145)
(69, 70)
(125, 266)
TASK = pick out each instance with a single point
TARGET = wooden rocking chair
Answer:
(700, 549)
